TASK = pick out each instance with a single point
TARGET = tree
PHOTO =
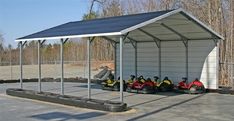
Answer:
(232, 38)
(112, 8)
(1, 42)
(91, 15)
(1, 48)
(167, 4)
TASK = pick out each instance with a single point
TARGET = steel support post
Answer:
(136, 59)
(89, 67)
(159, 61)
(11, 62)
(185, 41)
(62, 71)
(115, 60)
(21, 64)
(186, 58)
(39, 65)
(218, 65)
(232, 81)
(121, 67)
(158, 43)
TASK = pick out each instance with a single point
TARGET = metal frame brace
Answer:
(42, 42)
(174, 31)
(158, 44)
(113, 42)
(156, 39)
(91, 39)
(64, 41)
(215, 41)
(185, 42)
(23, 44)
(125, 37)
(133, 42)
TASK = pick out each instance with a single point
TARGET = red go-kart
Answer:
(195, 87)
(142, 86)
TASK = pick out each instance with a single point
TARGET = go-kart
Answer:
(164, 85)
(111, 84)
(141, 86)
(195, 87)
(131, 79)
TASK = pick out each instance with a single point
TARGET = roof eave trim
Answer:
(71, 36)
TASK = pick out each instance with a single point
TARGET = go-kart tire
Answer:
(103, 87)
(116, 87)
(164, 87)
(128, 89)
(196, 90)
(156, 89)
(124, 87)
(147, 90)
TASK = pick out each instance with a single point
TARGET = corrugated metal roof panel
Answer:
(96, 26)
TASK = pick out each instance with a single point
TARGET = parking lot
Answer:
(160, 106)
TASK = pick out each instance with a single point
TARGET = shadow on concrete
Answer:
(146, 102)
(69, 87)
(58, 90)
(78, 90)
(61, 116)
(168, 93)
(94, 94)
(132, 94)
(93, 86)
(163, 109)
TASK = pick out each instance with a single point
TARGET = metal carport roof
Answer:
(179, 20)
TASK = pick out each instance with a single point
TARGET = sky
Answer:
(23, 17)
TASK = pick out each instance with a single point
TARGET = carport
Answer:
(156, 27)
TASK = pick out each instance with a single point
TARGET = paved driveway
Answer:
(160, 107)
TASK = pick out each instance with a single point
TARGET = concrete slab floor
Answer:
(160, 107)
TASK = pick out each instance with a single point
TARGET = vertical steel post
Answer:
(121, 67)
(115, 60)
(39, 65)
(21, 64)
(10, 62)
(136, 59)
(159, 60)
(61, 62)
(217, 64)
(231, 64)
(186, 46)
(89, 67)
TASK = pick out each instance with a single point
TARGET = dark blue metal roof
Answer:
(96, 26)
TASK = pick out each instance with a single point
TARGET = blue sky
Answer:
(22, 17)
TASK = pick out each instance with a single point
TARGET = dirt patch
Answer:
(94, 64)
(77, 69)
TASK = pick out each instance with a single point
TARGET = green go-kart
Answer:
(164, 85)
(112, 84)
(131, 79)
